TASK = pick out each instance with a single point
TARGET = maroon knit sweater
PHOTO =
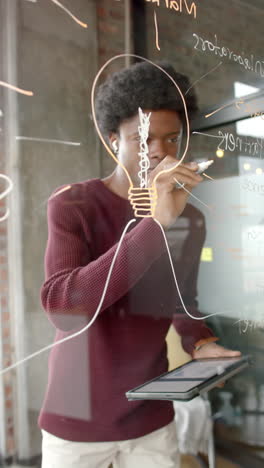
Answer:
(89, 374)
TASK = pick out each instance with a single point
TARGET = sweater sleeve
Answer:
(74, 282)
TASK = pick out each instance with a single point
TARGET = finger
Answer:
(228, 352)
(173, 181)
(186, 171)
(170, 162)
(184, 180)
(172, 168)
(184, 175)
(190, 172)
(234, 353)
(193, 166)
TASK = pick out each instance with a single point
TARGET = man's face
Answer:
(164, 130)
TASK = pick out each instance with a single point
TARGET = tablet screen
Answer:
(200, 369)
(190, 375)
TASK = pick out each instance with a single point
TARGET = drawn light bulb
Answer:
(143, 199)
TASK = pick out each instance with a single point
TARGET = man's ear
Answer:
(113, 140)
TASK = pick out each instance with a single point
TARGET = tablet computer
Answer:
(190, 380)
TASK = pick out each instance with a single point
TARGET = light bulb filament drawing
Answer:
(143, 201)
(143, 131)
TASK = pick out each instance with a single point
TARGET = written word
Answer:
(251, 186)
(203, 45)
(249, 109)
(179, 5)
(231, 143)
(245, 325)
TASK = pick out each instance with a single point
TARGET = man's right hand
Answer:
(171, 200)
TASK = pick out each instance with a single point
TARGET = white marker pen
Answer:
(202, 166)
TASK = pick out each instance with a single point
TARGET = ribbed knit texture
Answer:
(89, 374)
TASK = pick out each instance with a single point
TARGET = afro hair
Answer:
(141, 85)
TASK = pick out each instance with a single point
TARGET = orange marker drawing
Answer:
(205, 175)
(178, 5)
(157, 31)
(199, 79)
(15, 88)
(84, 25)
(217, 110)
(68, 187)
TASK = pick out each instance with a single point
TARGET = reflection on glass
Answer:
(54, 50)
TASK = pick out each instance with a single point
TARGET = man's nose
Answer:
(157, 150)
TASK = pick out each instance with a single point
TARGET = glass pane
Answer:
(231, 271)
(109, 275)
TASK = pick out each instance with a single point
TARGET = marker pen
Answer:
(202, 166)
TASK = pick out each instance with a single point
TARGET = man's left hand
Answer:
(213, 350)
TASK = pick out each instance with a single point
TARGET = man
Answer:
(86, 419)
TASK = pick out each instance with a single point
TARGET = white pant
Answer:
(159, 449)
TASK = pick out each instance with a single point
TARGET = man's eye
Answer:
(173, 140)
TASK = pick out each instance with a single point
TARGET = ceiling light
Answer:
(247, 166)
(220, 153)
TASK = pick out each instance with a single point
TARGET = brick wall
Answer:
(110, 31)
